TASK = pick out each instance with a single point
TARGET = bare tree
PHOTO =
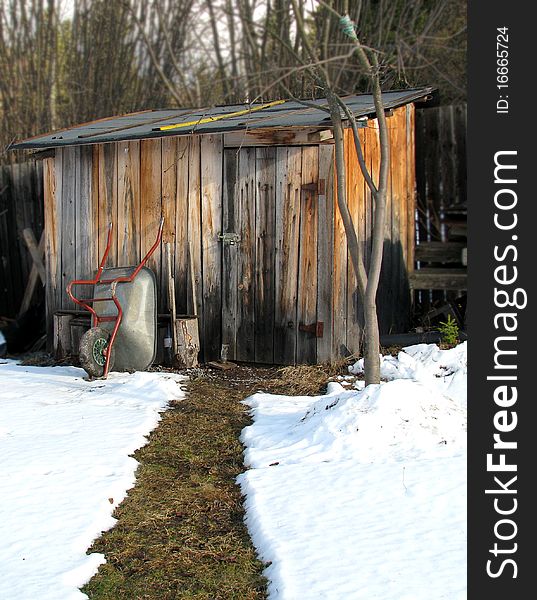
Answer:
(28, 44)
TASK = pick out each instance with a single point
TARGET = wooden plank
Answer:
(7, 306)
(84, 265)
(128, 192)
(52, 207)
(71, 156)
(287, 231)
(277, 137)
(230, 224)
(194, 230)
(245, 346)
(181, 226)
(211, 222)
(38, 271)
(35, 252)
(62, 343)
(264, 265)
(151, 207)
(357, 208)
(307, 264)
(188, 344)
(399, 284)
(439, 279)
(339, 282)
(325, 235)
(95, 208)
(440, 252)
(169, 196)
(107, 168)
(19, 255)
(410, 186)
(386, 293)
(21, 207)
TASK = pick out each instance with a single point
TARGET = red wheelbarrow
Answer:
(123, 316)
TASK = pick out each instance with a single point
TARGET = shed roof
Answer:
(160, 123)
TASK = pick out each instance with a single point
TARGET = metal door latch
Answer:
(229, 238)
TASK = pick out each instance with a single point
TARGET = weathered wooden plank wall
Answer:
(21, 206)
(289, 268)
(393, 297)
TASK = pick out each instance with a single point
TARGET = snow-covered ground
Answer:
(65, 465)
(361, 494)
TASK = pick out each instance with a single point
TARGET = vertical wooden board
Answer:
(230, 224)
(169, 187)
(10, 248)
(128, 192)
(307, 264)
(211, 222)
(325, 237)
(52, 206)
(339, 281)
(108, 200)
(7, 306)
(95, 209)
(399, 282)
(411, 185)
(182, 269)
(151, 207)
(264, 266)
(356, 202)
(287, 231)
(68, 199)
(169, 195)
(83, 218)
(195, 295)
(246, 260)
(20, 254)
(386, 293)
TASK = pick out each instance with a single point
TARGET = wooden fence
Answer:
(21, 206)
(440, 170)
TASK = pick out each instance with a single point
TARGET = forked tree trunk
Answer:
(367, 281)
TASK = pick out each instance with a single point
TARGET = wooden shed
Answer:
(247, 193)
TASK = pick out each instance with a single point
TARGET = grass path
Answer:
(180, 532)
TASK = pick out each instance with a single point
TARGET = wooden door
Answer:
(269, 237)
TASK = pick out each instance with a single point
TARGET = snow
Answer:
(361, 494)
(439, 370)
(65, 445)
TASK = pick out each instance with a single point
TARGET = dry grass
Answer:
(307, 380)
(180, 531)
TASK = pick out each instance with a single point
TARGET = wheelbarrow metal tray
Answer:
(135, 346)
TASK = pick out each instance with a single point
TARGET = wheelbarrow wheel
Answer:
(91, 351)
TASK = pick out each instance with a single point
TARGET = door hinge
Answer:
(316, 187)
(316, 328)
